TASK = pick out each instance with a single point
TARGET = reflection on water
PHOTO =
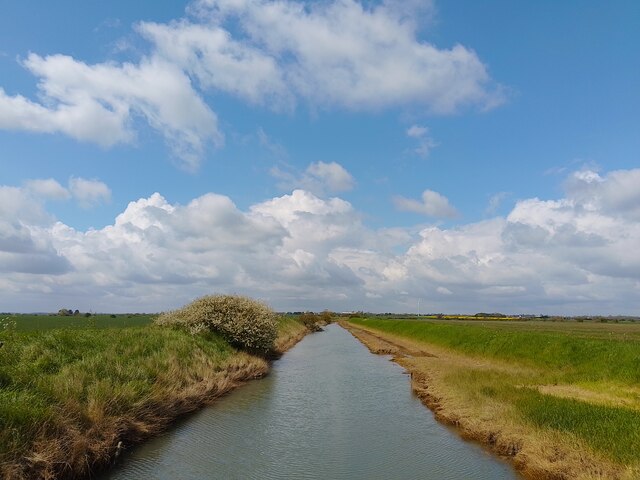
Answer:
(328, 410)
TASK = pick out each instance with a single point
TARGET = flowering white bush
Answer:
(242, 321)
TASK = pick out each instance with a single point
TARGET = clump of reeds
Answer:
(242, 321)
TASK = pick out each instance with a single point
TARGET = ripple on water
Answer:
(328, 410)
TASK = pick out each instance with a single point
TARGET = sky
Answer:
(377, 155)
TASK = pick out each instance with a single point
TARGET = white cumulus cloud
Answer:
(48, 188)
(433, 204)
(337, 53)
(319, 178)
(89, 193)
(616, 193)
(209, 53)
(425, 142)
(572, 255)
(98, 103)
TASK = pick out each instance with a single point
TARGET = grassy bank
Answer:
(290, 331)
(71, 399)
(563, 400)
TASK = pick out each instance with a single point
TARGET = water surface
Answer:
(328, 410)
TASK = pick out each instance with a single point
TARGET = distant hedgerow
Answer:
(242, 321)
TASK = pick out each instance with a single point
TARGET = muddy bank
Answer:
(535, 454)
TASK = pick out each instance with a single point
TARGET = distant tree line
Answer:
(67, 312)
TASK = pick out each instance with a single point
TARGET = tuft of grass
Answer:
(291, 328)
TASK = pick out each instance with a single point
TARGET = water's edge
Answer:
(230, 379)
(328, 409)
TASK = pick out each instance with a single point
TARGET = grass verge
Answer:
(72, 399)
(562, 404)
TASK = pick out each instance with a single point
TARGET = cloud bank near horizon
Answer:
(573, 255)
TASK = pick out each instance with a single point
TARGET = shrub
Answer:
(326, 317)
(242, 321)
(311, 321)
(315, 321)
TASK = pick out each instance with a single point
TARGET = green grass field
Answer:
(24, 322)
(582, 379)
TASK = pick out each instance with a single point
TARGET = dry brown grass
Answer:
(79, 447)
(437, 377)
(292, 329)
(614, 395)
(289, 334)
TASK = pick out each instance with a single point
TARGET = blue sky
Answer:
(328, 154)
